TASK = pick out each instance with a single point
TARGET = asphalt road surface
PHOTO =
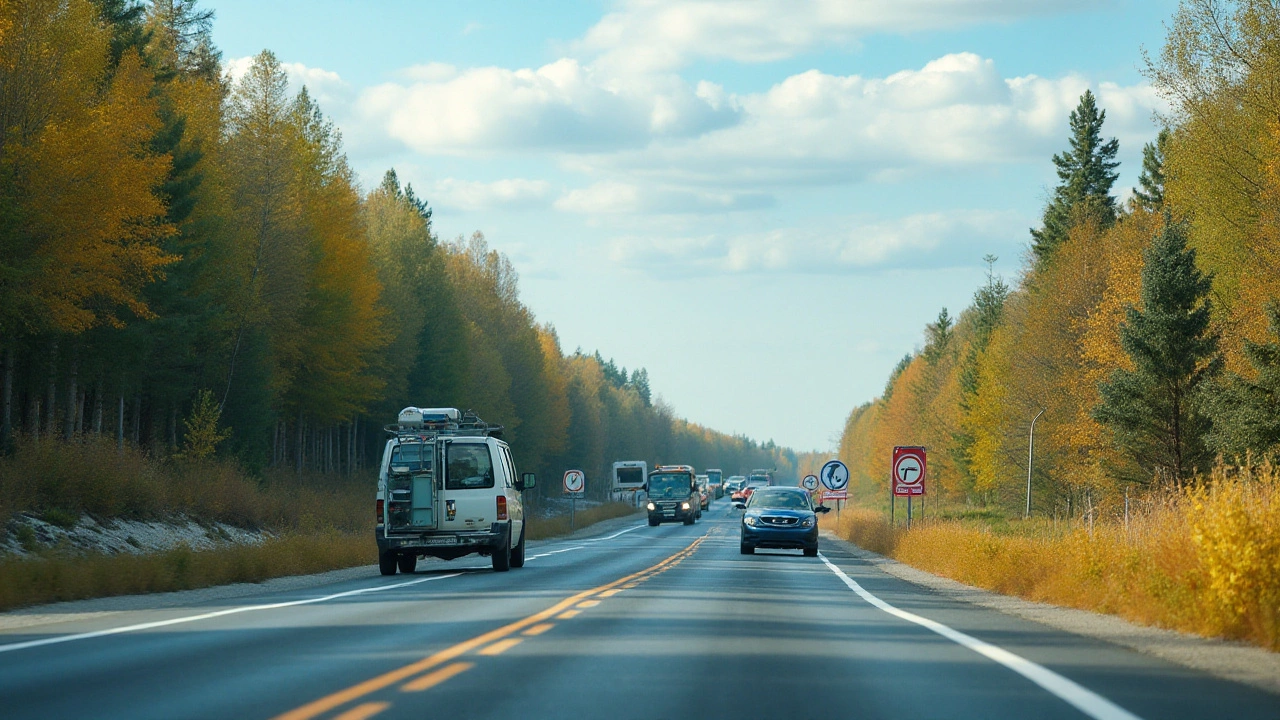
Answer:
(666, 622)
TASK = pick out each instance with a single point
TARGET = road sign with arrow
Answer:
(909, 471)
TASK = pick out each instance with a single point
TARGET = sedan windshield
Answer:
(779, 499)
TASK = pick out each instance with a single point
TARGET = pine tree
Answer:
(1156, 410)
(1150, 191)
(1246, 412)
(1086, 173)
(938, 334)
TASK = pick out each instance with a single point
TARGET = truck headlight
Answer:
(651, 506)
(684, 506)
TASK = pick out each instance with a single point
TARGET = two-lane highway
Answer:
(666, 622)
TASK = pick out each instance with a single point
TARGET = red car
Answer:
(740, 497)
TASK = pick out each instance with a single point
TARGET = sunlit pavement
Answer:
(666, 622)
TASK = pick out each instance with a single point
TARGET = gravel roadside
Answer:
(1234, 661)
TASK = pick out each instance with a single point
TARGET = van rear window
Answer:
(469, 467)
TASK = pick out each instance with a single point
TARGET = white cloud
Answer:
(956, 111)
(468, 195)
(562, 106)
(326, 87)
(648, 35)
(855, 244)
(611, 197)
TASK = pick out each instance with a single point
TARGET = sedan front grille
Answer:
(779, 520)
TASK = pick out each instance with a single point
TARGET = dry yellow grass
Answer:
(557, 526)
(1206, 560)
(51, 578)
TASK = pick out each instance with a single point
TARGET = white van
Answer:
(448, 487)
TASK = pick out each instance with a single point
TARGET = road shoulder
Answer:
(1237, 662)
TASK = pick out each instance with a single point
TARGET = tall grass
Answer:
(1204, 560)
(91, 476)
(541, 528)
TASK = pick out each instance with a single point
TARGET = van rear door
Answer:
(469, 485)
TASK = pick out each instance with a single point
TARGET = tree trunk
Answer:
(81, 400)
(97, 408)
(34, 412)
(137, 420)
(120, 424)
(51, 394)
(6, 423)
(301, 446)
(73, 393)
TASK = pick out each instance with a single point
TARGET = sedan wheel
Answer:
(747, 549)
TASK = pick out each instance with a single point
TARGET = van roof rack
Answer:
(418, 423)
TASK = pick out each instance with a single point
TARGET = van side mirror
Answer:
(526, 481)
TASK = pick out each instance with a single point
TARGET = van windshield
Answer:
(669, 486)
(469, 467)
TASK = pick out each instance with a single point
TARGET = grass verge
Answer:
(1205, 560)
(558, 526)
(46, 579)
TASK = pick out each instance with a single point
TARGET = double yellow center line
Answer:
(535, 624)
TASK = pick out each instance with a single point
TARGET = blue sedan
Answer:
(781, 517)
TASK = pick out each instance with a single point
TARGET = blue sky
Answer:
(760, 201)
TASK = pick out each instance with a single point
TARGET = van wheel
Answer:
(387, 563)
(407, 563)
(517, 553)
(502, 555)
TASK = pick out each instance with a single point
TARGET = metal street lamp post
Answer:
(1031, 445)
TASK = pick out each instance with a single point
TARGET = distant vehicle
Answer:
(753, 483)
(629, 474)
(715, 481)
(733, 484)
(705, 491)
(448, 487)
(673, 495)
(781, 517)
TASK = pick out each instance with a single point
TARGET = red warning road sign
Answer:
(909, 471)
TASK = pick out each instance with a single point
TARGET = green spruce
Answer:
(1156, 411)
(1086, 174)
(1246, 412)
(1150, 191)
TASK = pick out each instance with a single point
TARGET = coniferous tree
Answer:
(1086, 174)
(1246, 412)
(1156, 411)
(1150, 191)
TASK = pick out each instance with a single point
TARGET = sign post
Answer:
(835, 478)
(909, 472)
(575, 483)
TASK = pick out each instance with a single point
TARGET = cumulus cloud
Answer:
(561, 106)
(814, 127)
(469, 195)
(856, 244)
(648, 35)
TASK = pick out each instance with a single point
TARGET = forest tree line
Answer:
(1147, 332)
(174, 238)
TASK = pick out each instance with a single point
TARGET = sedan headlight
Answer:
(751, 520)
(651, 506)
(807, 522)
(684, 506)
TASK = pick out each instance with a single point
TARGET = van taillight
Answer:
(379, 511)
(502, 507)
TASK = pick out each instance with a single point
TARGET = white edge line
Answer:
(206, 616)
(1078, 696)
